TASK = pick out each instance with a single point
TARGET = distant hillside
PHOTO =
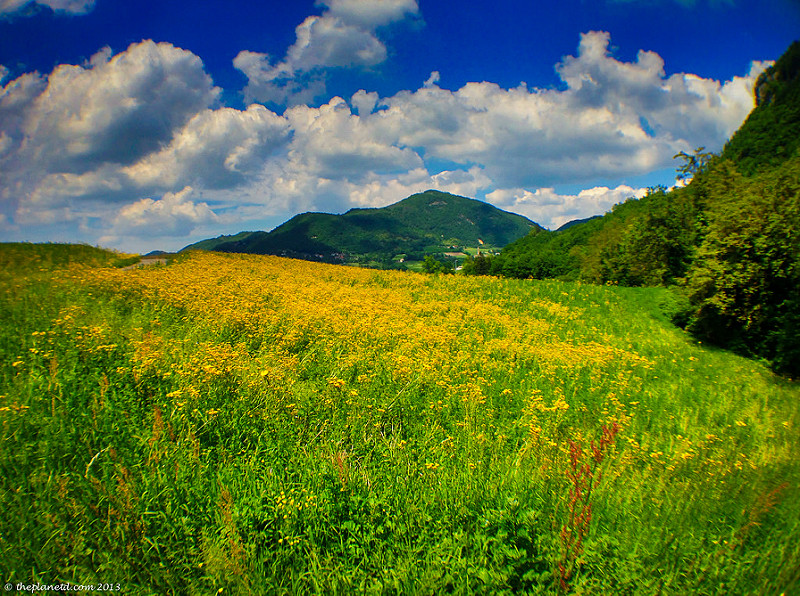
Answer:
(575, 222)
(426, 223)
(49, 256)
(213, 243)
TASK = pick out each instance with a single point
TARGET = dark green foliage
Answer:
(213, 243)
(456, 218)
(692, 164)
(543, 254)
(644, 241)
(432, 265)
(649, 242)
(477, 265)
(744, 285)
(744, 281)
(576, 222)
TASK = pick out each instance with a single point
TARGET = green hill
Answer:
(423, 224)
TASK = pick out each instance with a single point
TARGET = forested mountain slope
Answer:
(425, 223)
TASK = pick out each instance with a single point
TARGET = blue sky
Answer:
(142, 125)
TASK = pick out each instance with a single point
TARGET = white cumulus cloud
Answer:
(343, 36)
(613, 119)
(15, 100)
(371, 14)
(332, 142)
(552, 210)
(120, 127)
(115, 109)
(215, 149)
(174, 214)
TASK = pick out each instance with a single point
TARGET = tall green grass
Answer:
(272, 477)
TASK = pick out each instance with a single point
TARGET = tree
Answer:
(743, 284)
(692, 164)
(479, 265)
(431, 265)
(647, 242)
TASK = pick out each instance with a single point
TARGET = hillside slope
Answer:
(771, 133)
(213, 243)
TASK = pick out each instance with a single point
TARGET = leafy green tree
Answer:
(648, 241)
(483, 265)
(692, 164)
(744, 284)
(543, 254)
(478, 265)
(432, 265)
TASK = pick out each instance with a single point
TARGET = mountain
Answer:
(431, 222)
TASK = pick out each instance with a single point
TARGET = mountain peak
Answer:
(431, 222)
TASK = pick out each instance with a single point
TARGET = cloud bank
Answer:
(137, 146)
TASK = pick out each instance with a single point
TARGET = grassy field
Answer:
(256, 425)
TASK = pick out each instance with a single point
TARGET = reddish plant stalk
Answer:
(584, 473)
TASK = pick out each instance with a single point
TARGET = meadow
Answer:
(242, 424)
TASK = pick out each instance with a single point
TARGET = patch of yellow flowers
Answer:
(462, 339)
(411, 324)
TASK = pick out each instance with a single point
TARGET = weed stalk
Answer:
(584, 474)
